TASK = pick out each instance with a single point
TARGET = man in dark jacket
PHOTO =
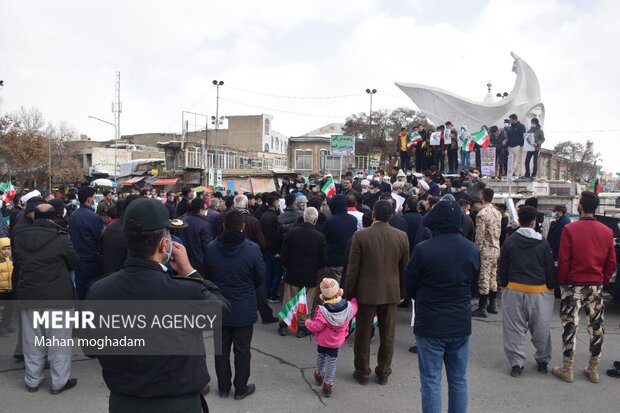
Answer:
(539, 138)
(273, 237)
(515, 145)
(467, 227)
(337, 230)
(197, 235)
(156, 383)
(45, 256)
(439, 278)
(236, 266)
(85, 229)
(212, 214)
(113, 242)
(170, 205)
(181, 208)
(414, 221)
(527, 273)
(303, 255)
(291, 214)
(556, 228)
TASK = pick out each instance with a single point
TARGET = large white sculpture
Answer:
(441, 106)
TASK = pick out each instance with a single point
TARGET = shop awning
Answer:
(166, 181)
(133, 180)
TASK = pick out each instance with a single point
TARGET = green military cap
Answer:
(151, 214)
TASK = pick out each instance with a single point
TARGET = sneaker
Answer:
(318, 379)
(542, 368)
(614, 373)
(360, 379)
(382, 380)
(327, 390)
(276, 299)
(32, 389)
(516, 371)
(282, 330)
(71, 383)
(413, 349)
(250, 389)
(617, 365)
(224, 394)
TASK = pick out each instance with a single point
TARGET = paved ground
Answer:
(282, 370)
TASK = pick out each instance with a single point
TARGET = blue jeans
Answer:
(273, 269)
(465, 163)
(433, 354)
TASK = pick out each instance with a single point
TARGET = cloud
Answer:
(61, 58)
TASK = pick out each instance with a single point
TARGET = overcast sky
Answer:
(307, 62)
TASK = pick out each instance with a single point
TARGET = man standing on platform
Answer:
(375, 276)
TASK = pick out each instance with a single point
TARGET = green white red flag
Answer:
(468, 144)
(413, 139)
(9, 191)
(353, 325)
(482, 138)
(298, 304)
(596, 182)
(329, 188)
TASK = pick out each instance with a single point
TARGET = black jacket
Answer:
(397, 221)
(85, 228)
(114, 247)
(555, 234)
(303, 254)
(468, 229)
(526, 260)
(154, 376)
(515, 136)
(338, 229)
(236, 266)
(45, 255)
(370, 198)
(414, 224)
(271, 230)
(289, 218)
(196, 237)
(440, 274)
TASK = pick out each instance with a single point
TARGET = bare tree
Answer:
(581, 159)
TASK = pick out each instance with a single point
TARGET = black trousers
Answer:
(119, 403)
(439, 158)
(263, 306)
(239, 338)
(7, 312)
(453, 160)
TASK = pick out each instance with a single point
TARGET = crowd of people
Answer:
(378, 243)
(508, 140)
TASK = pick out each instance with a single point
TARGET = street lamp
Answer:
(370, 92)
(216, 120)
(115, 147)
(502, 95)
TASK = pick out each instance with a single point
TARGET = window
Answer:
(266, 147)
(562, 175)
(361, 162)
(554, 174)
(303, 160)
(329, 162)
(267, 126)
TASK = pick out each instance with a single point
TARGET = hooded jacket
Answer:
(440, 274)
(6, 267)
(526, 261)
(236, 266)
(338, 229)
(330, 325)
(45, 256)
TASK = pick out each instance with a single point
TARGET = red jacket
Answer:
(587, 255)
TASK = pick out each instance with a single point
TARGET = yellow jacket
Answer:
(6, 267)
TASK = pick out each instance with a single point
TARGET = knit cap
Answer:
(330, 290)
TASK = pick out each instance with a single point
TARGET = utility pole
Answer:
(49, 160)
(116, 110)
(370, 92)
(216, 120)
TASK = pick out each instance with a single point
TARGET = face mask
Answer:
(298, 186)
(169, 253)
(506, 125)
(467, 212)
(94, 208)
(315, 189)
(364, 190)
(453, 190)
(74, 202)
(408, 173)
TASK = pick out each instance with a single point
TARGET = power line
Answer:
(284, 111)
(294, 97)
(192, 106)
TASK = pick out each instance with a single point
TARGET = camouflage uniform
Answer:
(488, 231)
(573, 297)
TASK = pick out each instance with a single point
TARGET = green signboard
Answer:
(342, 145)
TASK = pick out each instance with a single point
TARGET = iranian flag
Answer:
(9, 191)
(596, 182)
(353, 325)
(468, 145)
(413, 139)
(298, 304)
(329, 188)
(482, 138)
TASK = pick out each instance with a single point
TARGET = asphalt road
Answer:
(282, 370)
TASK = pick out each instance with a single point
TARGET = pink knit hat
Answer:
(330, 289)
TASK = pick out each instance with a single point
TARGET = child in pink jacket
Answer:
(329, 329)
